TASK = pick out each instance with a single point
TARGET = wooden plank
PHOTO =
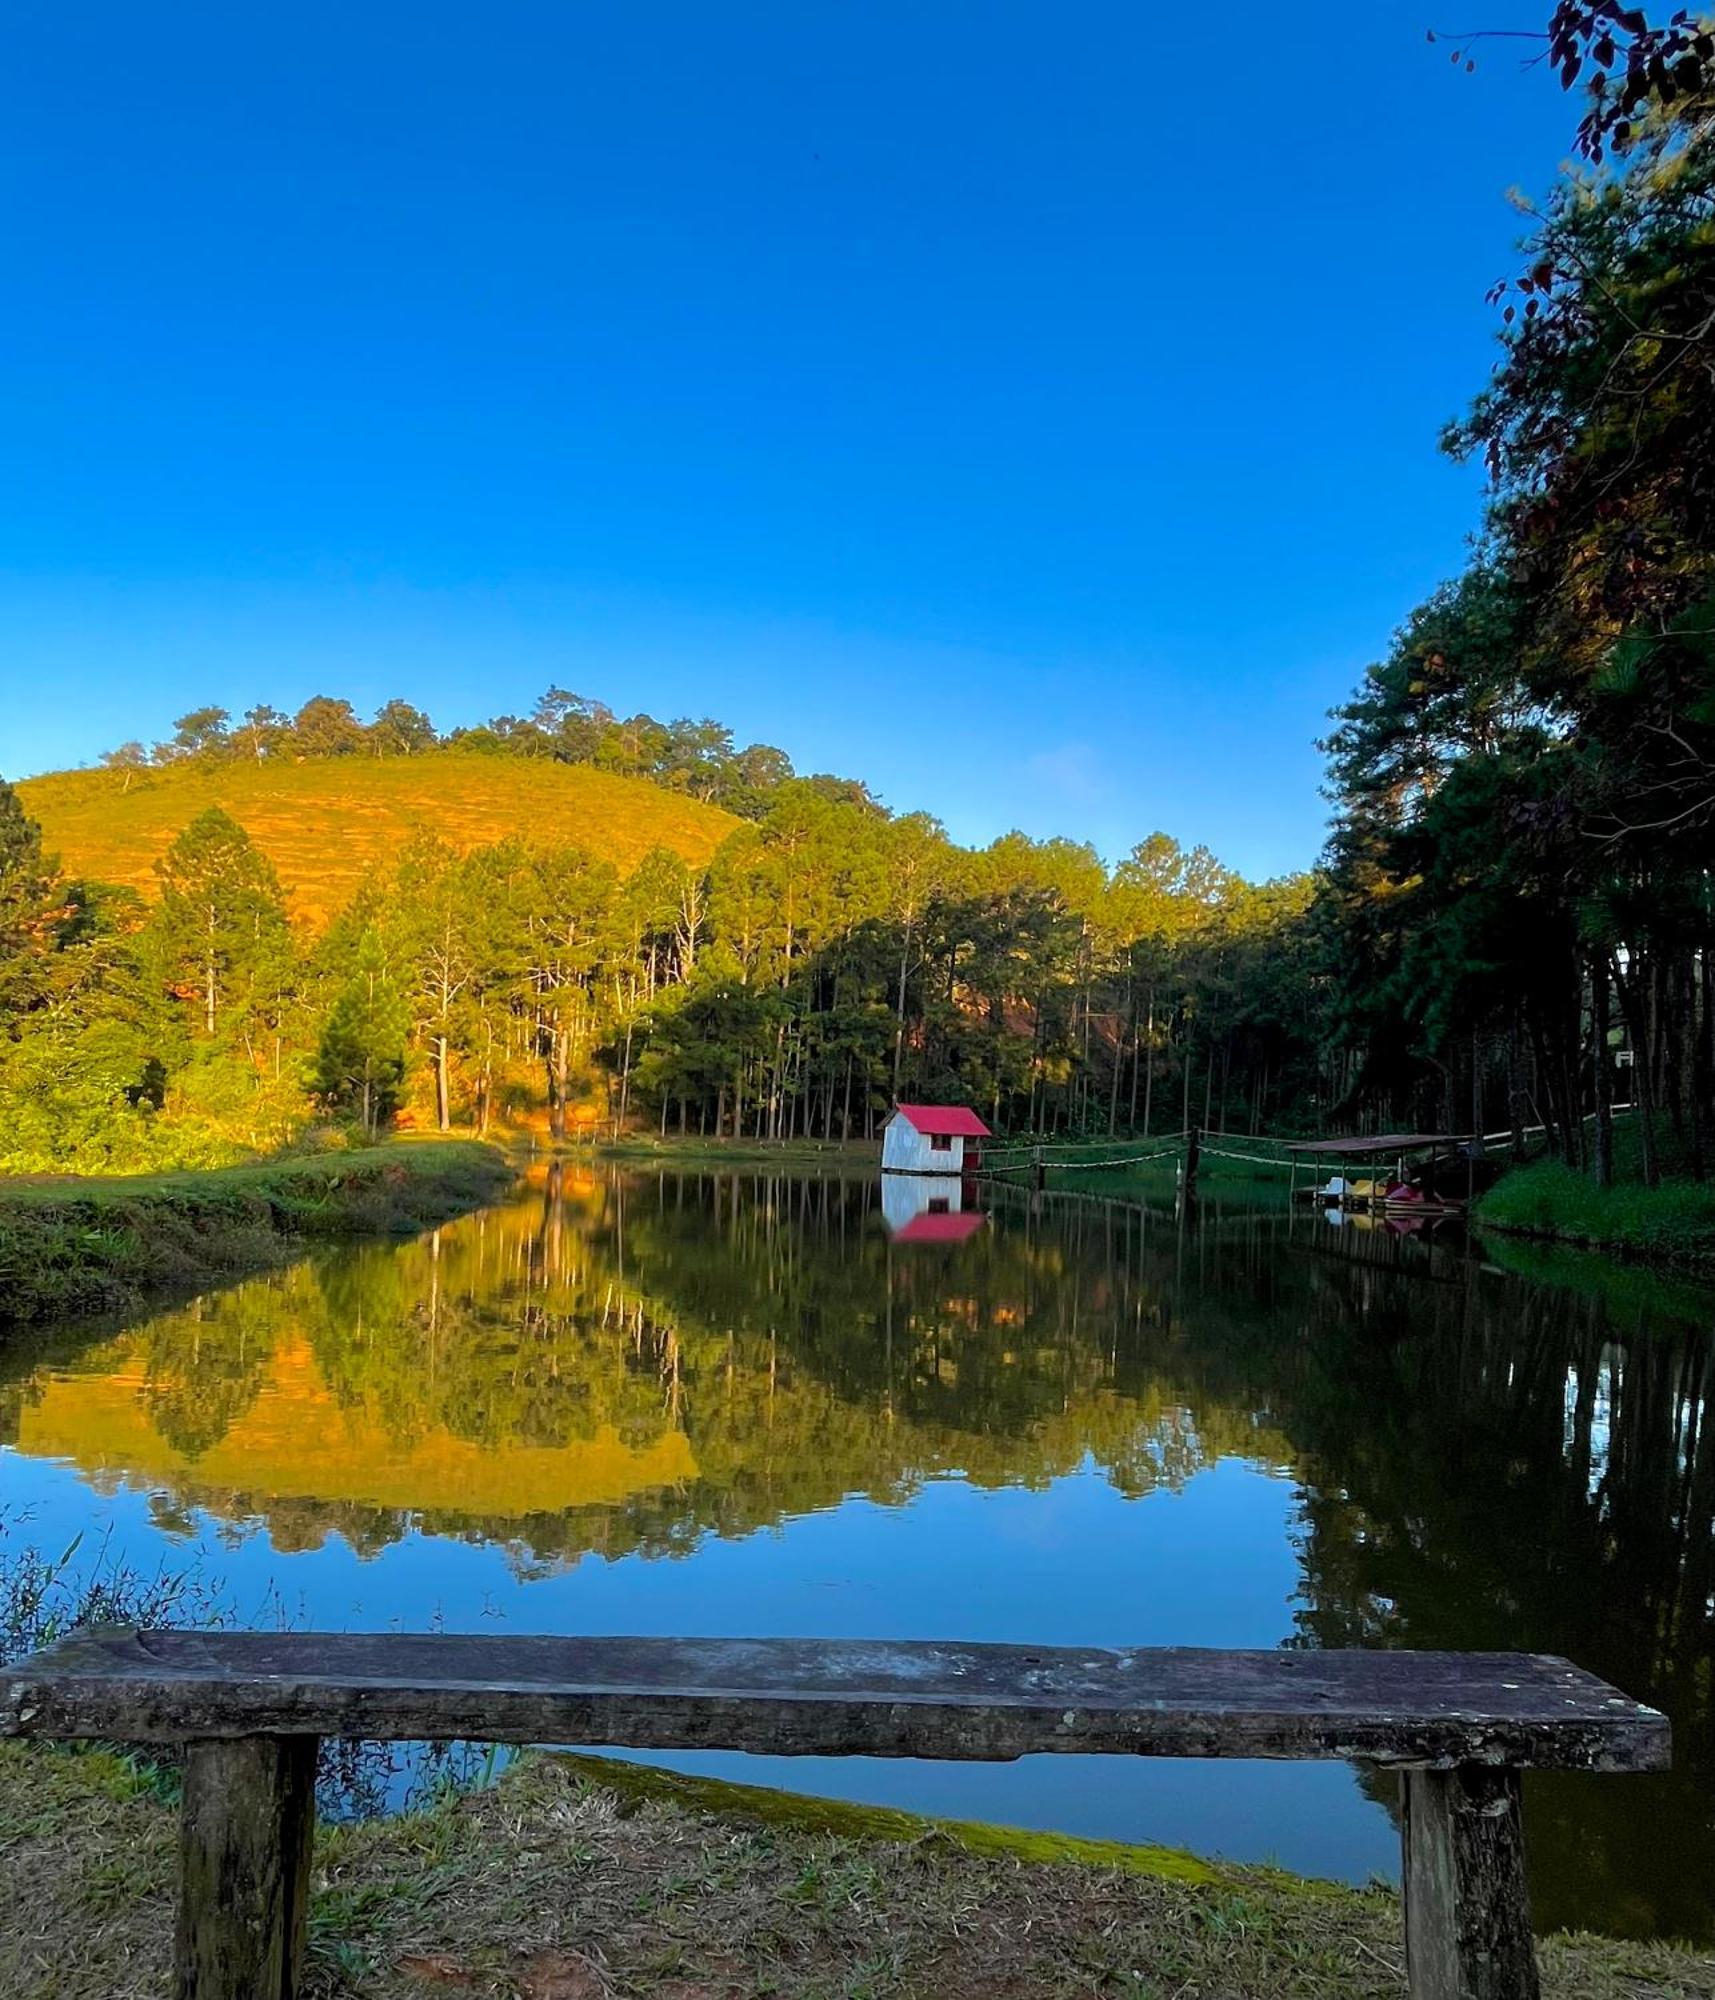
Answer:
(249, 1814)
(884, 1698)
(1467, 1911)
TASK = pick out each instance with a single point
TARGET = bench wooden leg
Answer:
(1467, 1912)
(249, 1814)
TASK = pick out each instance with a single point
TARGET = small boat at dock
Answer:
(1433, 1173)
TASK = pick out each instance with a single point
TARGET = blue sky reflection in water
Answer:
(1074, 1564)
(726, 1404)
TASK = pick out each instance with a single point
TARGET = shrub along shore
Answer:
(582, 1879)
(77, 1245)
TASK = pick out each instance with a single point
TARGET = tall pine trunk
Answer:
(1602, 1166)
(1643, 1083)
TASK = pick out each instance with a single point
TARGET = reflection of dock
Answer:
(1432, 1247)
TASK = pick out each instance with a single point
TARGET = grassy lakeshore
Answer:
(579, 1879)
(1671, 1224)
(84, 1245)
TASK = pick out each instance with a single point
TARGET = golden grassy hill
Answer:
(329, 824)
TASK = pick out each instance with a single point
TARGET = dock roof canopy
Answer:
(944, 1121)
(1386, 1142)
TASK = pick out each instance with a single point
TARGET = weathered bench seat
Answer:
(250, 1707)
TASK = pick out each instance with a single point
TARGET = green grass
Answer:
(331, 824)
(86, 1245)
(1670, 1224)
(574, 1880)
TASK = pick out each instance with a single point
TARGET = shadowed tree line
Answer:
(1519, 874)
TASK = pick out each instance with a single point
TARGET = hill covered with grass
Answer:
(328, 824)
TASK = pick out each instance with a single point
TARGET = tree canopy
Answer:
(1518, 883)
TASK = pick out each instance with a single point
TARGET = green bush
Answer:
(71, 1103)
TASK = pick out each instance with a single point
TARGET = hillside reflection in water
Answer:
(733, 1402)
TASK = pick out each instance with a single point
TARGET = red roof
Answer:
(945, 1121)
(933, 1228)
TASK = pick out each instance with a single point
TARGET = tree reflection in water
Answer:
(631, 1364)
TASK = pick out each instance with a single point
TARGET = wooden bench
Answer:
(249, 1708)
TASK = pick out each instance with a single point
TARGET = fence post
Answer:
(1038, 1172)
(1192, 1153)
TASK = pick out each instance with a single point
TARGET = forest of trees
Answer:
(830, 958)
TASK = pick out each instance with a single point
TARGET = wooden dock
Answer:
(1354, 1159)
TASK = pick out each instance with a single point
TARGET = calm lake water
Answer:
(735, 1403)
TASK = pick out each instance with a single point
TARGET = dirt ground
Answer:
(570, 1881)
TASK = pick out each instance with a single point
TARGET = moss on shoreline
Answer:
(1673, 1224)
(571, 1881)
(629, 1781)
(86, 1245)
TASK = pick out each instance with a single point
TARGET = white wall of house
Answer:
(905, 1150)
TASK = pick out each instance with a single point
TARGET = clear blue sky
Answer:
(967, 397)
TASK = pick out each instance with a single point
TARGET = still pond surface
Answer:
(737, 1403)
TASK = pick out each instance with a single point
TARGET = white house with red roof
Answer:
(932, 1139)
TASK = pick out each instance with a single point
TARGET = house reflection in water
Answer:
(929, 1208)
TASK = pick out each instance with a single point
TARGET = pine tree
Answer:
(360, 1063)
(220, 931)
(26, 914)
(439, 925)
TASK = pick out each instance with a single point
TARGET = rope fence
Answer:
(1017, 1157)
(1027, 1152)
(1310, 1172)
(1030, 1149)
(1029, 1159)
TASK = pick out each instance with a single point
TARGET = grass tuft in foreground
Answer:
(99, 1245)
(564, 1882)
